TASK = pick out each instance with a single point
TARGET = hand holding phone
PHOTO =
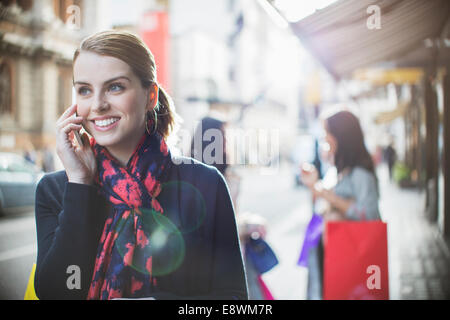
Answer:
(77, 157)
(76, 133)
(309, 175)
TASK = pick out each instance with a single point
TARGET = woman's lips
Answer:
(105, 124)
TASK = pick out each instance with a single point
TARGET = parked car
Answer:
(18, 180)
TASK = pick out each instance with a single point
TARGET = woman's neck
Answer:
(123, 152)
(121, 156)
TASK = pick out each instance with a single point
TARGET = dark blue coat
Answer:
(70, 219)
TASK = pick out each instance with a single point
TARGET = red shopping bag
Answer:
(356, 261)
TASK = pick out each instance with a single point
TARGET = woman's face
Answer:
(111, 100)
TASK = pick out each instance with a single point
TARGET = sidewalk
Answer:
(419, 259)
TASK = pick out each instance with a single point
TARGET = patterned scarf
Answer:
(123, 265)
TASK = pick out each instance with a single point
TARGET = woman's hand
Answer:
(319, 191)
(333, 215)
(256, 231)
(309, 175)
(339, 204)
(251, 224)
(79, 161)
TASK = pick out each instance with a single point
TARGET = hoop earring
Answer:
(155, 122)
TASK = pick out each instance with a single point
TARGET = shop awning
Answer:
(379, 76)
(340, 38)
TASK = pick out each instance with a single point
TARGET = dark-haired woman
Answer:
(354, 196)
(124, 220)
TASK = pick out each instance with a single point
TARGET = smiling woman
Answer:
(112, 102)
(136, 223)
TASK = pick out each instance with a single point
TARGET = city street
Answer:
(287, 210)
(418, 259)
(17, 253)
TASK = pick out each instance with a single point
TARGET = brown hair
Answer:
(351, 150)
(133, 51)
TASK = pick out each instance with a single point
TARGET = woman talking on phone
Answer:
(124, 220)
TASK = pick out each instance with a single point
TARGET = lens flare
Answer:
(194, 207)
(160, 247)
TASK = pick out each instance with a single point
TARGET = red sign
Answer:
(154, 31)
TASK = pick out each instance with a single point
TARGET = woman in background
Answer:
(354, 196)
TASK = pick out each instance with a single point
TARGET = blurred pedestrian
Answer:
(48, 163)
(134, 222)
(251, 226)
(30, 153)
(390, 156)
(209, 146)
(355, 195)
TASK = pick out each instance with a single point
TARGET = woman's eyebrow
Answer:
(106, 82)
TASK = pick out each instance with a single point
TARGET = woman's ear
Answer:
(152, 96)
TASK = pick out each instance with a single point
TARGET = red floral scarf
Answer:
(123, 265)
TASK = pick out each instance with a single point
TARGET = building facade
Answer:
(37, 42)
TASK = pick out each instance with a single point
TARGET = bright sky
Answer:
(295, 10)
(114, 10)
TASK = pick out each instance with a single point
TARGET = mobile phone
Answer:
(77, 135)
